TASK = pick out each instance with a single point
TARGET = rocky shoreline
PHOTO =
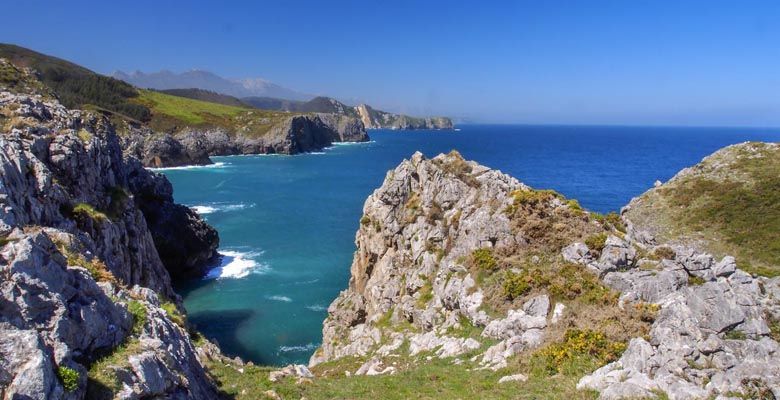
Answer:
(456, 264)
(296, 134)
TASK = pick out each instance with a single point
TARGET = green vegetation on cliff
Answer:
(727, 204)
(206, 95)
(423, 379)
(171, 113)
(76, 86)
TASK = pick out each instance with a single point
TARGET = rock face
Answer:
(83, 282)
(413, 288)
(375, 119)
(296, 134)
(416, 231)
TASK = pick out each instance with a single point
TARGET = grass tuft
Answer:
(69, 378)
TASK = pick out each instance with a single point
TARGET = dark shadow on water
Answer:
(221, 327)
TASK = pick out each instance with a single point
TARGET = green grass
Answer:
(426, 294)
(483, 259)
(89, 211)
(695, 280)
(174, 314)
(173, 113)
(730, 204)
(187, 110)
(138, 310)
(69, 378)
(435, 379)
(735, 335)
(102, 382)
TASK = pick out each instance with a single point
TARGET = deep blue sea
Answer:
(287, 223)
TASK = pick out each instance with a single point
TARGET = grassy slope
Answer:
(206, 95)
(76, 86)
(435, 379)
(171, 113)
(727, 204)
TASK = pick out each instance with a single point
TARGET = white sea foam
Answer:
(188, 167)
(298, 349)
(204, 209)
(218, 207)
(351, 143)
(279, 298)
(236, 264)
(317, 308)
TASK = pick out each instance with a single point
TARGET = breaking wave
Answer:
(236, 264)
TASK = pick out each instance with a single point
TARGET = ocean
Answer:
(287, 223)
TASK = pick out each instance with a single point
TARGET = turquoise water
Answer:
(287, 223)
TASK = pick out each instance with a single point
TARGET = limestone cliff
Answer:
(86, 305)
(375, 119)
(462, 263)
(193, 146)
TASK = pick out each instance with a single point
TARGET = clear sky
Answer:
(611, 62)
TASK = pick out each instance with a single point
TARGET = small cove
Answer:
(287, 223)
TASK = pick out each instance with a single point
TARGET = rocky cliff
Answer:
(461, 263)
(87, 248)
(371, 118)
(193, 146)
(375, 119)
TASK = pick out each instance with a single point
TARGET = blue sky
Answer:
(565, 62)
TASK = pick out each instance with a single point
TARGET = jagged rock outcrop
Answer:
(696, 326)
(296, 134)
(415, 237)
(84, 291)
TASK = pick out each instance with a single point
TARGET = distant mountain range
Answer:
(209, 81)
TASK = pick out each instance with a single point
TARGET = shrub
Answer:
(568, 282)
(459, 167)
(533, 197)
(365, 220)
(89, 211)
(596, 242)
(96, 267)
(483, 259)
(138, 310)
(69, 378)
(578, 344)
(515, 285)
(664, 253)
(647, 311)
(99, 271)
(575, 206)
(119, 198)
(610, 220)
